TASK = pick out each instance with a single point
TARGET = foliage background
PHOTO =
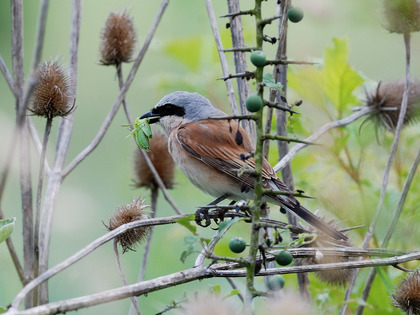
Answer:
(183, 56)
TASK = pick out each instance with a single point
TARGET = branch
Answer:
(7, 75)
(247, 75)
(189, 275)
(222, 57)
(284, 138)
(290, 62)
(63, 141)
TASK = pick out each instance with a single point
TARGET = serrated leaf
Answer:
(186, 222)
(339, 78)
(334, 82)
(6, 228)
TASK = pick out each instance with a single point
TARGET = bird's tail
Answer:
(315, 221)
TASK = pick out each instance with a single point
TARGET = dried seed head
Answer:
(334, 277)
(402, 16)
(161, 159)
(51, 96)
(407, 294)
(118, 39)
(125, 214)
(387, 99)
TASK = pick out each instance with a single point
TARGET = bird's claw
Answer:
(202, 214)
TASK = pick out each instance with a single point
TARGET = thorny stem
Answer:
(258, 189)
(394, 147)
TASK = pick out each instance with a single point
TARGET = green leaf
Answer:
(233, 292)
(339, 78)
(186, 222)
(334, 82)
(6, 228)
(269, 81)
(216, 289)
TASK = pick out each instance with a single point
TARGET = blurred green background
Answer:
(183, 56)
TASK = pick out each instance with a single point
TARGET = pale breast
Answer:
(206, 178)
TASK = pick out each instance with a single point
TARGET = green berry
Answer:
(276, 283)
(295, 14)
(253, 103)
(237, 245)
(258, 58)
(284, 258)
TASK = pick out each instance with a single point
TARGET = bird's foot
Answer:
(202, 214)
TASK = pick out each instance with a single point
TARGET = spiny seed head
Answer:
(161, 159)
(402, 16)
(334, 277)
(387, 100)
(51, 96)
(127, 213)
(407, 294)
(118, 39)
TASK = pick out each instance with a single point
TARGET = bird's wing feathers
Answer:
(222, 144)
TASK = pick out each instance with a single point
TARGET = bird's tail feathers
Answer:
(315, 221)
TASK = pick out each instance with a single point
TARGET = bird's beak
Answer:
(153, 118)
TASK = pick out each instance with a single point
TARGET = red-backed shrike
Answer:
(211, 154)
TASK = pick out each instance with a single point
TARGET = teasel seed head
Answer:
(127, 213)
(387, 99)
(118, 39)
(334, 277)
(161, 159)
(51, 96)
(407, 294)
(402, 16)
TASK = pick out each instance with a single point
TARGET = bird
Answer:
(212, 152)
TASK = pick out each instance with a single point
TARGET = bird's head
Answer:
(181, 107)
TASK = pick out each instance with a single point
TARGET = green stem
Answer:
(258, 156)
